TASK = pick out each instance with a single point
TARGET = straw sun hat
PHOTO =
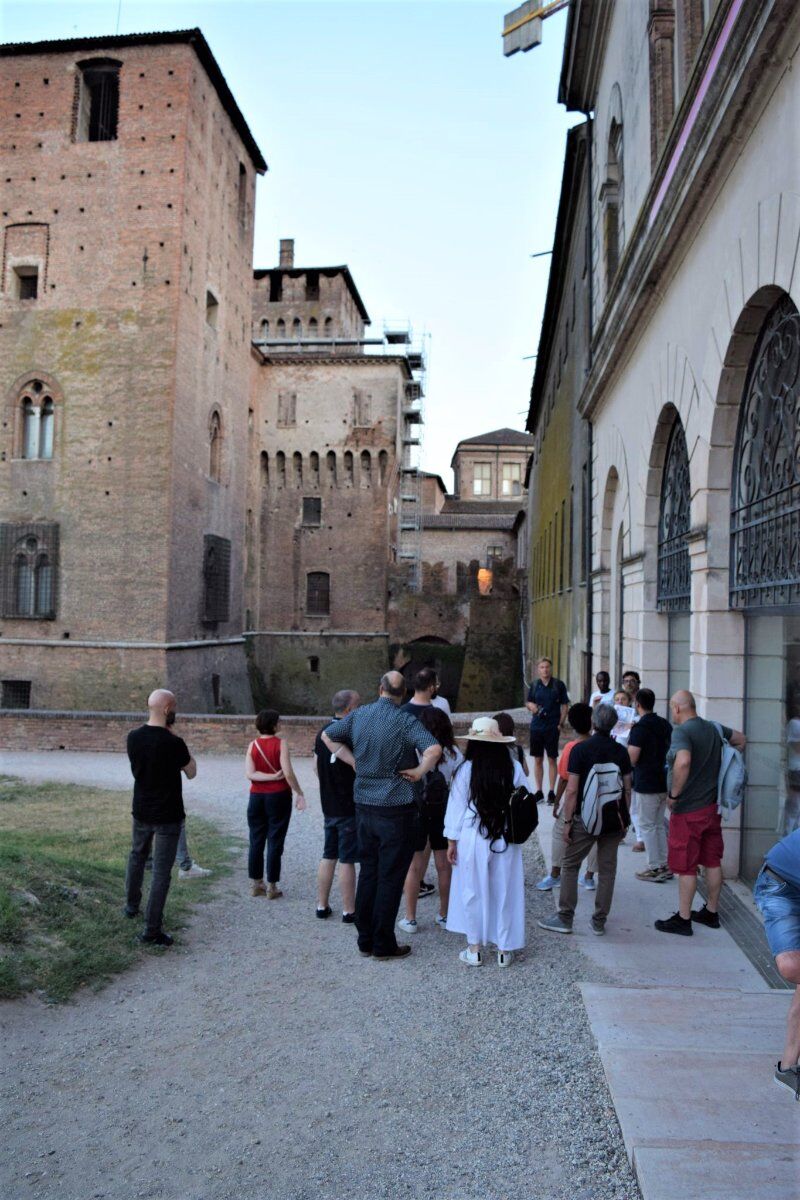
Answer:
(484, 729)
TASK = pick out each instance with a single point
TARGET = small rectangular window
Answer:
(16, 693)
(493, 554)
(98, 101)
(312, 510)
(242, 205)
(482, 479)
(512, 479)
(275, 286)
(287, 409)
(312, 285)
(26, 282)
(318, 593)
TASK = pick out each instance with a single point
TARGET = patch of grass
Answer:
(63, 853)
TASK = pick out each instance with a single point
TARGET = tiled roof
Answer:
(499, 437)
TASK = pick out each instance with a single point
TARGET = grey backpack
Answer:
(602, 807)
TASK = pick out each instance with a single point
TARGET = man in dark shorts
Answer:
(695, 826)
(336, 779)
(157, 757)
(548, 703)
(777, 894)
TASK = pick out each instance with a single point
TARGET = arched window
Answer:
(33, 578)
(313, 467)
(318, 593)
(297, 328)
(264, 469)
(312, 327)
(297, 469)
(612, 192)
(383, 468)
(366, 469)
(44, 585)
(37, 421)
(328, 327)
(280, 327)
(673, 593)
(330, 462)
(280, 463)
(215, 446)
(765, 490)
(264, 329)
(348, 466)
(24, 585)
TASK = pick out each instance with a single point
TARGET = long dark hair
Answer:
(490, 786)
(438, 723)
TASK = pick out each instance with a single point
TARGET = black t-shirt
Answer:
(157, 759)
(416, 710)
(599, 748)
(336, 781)
(652, 735)
(550, 697)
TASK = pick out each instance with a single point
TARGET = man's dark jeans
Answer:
(268, 817)
(386, 840)
(163, 839)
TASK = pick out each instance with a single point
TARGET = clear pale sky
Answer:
(401, 142)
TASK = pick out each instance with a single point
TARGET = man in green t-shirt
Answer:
(695, 826)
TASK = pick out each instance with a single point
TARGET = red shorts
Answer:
(695, 840)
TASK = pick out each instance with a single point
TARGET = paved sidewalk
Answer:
(688, 1040)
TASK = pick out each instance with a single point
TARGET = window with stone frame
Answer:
(511, 479)
(318, 594)
(28, 570)
(37, 418)
(611, 194)
(216, 579)
(287, 409)
(482, 479)
(25, 280)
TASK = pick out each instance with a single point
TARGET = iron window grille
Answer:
(674, 591)
(318, 593)
(29, 570)
(765, 489)
(16, 693)
(216, 579)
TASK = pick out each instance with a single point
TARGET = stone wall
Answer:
(300, 672)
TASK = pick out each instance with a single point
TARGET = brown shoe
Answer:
(258, 888)
(398, 952)
(273, 891)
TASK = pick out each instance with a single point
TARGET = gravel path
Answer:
(262, 1059)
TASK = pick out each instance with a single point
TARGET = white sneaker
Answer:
(441, 921)
(195, 872)
(472, 958)
(407, 926)
(505, 958)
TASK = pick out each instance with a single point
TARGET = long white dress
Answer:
(487, 892)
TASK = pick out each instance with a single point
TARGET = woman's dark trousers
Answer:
(268, 816)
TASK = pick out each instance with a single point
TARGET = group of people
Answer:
(396, 790)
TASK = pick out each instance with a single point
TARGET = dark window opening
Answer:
(313, 664)
(275, 286)
(212, 309)
(312, 510)
(312, 285)
(27, 281)
(216, 690)
(216, 578)
(98, 101)
(318, 593)
(242, 194)
(16, 693)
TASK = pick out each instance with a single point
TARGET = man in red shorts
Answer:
(695, 826)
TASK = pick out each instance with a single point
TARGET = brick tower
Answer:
(128, 187)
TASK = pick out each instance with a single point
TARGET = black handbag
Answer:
(522, 816)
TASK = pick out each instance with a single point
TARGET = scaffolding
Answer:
(412, 418)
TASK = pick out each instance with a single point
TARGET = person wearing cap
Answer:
(487, 892)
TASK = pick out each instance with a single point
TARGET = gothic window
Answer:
(37, 419)
(765, 490)
(318, 593)
(28, 560)
(673, 593)
(216, 578)
(287, 409)
(97, 105)
(215, 446)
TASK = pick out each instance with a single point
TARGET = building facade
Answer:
(693, 389)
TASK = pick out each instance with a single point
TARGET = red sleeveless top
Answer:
(266, 756)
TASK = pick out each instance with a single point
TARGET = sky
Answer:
(401, 142)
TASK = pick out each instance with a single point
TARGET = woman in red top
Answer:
(269, 768)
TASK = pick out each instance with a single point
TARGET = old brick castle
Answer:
(208, 475)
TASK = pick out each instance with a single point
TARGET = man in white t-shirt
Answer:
(603, 693)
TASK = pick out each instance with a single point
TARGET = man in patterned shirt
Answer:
(376, 739)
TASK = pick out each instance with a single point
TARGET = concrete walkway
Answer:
(688, 1039)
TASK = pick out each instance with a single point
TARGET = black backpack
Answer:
(522, 816)
(434, 790)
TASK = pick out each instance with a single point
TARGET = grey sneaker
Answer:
(556, 924)
(598, 927)
(790, 1077)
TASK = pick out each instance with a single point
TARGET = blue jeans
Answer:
(163, 841)
(268, 817)
(386, 839)
(780, 907)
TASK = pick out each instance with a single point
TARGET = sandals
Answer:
(273, 891)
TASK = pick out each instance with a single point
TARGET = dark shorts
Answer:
(779, 902)
(544, 741)
(341, 839)
(695, 840)
(431, 827)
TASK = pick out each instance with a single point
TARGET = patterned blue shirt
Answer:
(383, 739)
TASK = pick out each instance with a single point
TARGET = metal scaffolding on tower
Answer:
(409, 548)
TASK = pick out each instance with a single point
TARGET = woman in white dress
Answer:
(487, 891)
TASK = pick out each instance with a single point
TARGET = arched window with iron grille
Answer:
(674, 591)
(765, 489)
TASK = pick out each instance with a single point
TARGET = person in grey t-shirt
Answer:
(695, 827)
